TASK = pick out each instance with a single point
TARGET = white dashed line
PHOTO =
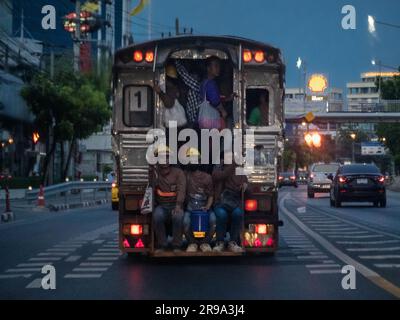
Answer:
(35, 284)
(97, 264)
(372, 249)
(102, 258)
(322, 266)
(89, 269)
(72, 258)
(45, 259)
(24, 270)
(333, 271)
(82, 276)
(13, 276)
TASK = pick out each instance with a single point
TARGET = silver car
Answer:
(318, 181)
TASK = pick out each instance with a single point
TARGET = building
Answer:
(364, 95)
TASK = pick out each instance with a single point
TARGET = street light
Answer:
(353, 137)
(300, 64)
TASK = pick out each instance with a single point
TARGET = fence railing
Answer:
(69, 189)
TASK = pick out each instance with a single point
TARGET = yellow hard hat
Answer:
(163, 149)
(171, 71)
(192, 152)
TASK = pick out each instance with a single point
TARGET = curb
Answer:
(64, 207)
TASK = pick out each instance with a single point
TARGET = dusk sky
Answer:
(308, 28)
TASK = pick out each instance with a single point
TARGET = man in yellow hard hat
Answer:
(200, 197)
(170, 193)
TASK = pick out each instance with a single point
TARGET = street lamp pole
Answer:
(353, 138)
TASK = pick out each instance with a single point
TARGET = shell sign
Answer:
(318, 83)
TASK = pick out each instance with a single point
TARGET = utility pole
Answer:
(22, 25)
(177, 26)
(77, 43)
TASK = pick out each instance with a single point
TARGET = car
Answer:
(358, 183)
(287, 179)
(114, 196)
(318, 181)
(302, 177)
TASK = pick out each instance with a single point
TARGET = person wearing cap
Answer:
(170, 193)
(228, 194)
(200, 197)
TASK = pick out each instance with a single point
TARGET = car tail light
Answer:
(259, 56)
(149, 56)
(251, 205)
(293, 177)
(381, 179)
(139, 244)
(270, 242)
(280, 178)
(342, 179)
(247, 56)
(136, 229)
(261, 229)
(138, 56)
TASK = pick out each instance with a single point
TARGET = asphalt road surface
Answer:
(316, 242)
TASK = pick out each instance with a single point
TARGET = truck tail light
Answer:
(261, 229)
(138, 56)
(136, 229)
(251, 205)
(139, 244)
(126, 244)
(270, 242)
(149, 57)
(259, 56)
(247, 56)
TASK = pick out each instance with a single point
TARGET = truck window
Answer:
(138, 106)
(257, 107)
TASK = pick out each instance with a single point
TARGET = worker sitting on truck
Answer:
(229, 189)
(170, 193)
(200, 198)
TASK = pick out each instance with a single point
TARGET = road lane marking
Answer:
(332, 233)
(34, 264)
(312, 257)
(382, 257)
(97, 264)
(102, 258)
(387, 265)
(336, 229)
(106, 254)
(67, 246)
(45, 259)
(89, 269)
(372, 249)
(322, 266)
(358, 237)
(368, 242)
(24, 270)
(366, 272)
(49, 254)
(108, 250)
(82, 276)
(72, 258)
(333, 271)
(13, 276)
(98, 241)
(61, 250)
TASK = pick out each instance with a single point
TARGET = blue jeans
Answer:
(160, 217)
(187, 227)
(222, 223)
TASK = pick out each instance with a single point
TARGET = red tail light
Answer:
(136, 229)
(381, 179)
(259, 56)
(311, 176)
(251, 205)
(261, 229)
(126, 244)
(293, 177)
(280, 178)
(270, 242)
(138, 56)
(342, 179)
(247, 56)
(149, 56)
(139, 244)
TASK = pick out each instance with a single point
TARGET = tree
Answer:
(71, 104)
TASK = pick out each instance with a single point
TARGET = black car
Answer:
(288, 179)
(358, 183)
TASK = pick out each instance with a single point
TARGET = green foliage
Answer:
(391, 89)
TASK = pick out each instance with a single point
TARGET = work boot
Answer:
(205, 247)
(233, 247)
(192, 248)
(219, 247)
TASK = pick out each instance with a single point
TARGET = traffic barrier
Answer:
(41, 202)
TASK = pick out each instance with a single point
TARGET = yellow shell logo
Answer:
(318, 83)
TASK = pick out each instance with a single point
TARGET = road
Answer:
(315, 243)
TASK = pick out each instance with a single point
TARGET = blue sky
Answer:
(307, 28)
